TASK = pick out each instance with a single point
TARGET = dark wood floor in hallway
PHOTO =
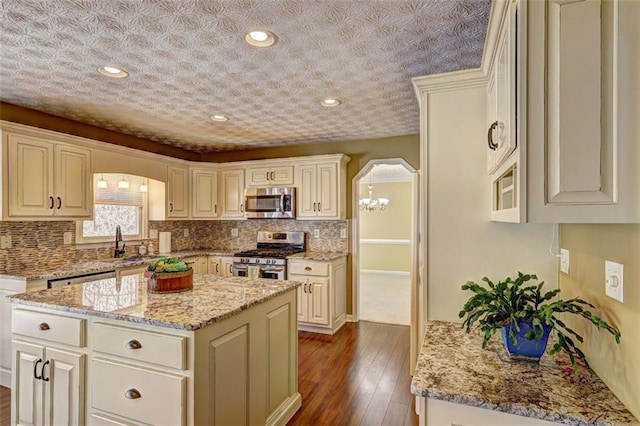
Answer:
(360, 376)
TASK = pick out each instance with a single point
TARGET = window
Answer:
(117, 200)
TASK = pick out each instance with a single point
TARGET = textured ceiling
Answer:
(187, 60)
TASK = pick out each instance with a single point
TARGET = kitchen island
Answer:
(458, 382)
(108, 352)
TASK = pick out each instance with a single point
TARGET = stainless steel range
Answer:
(269, 259)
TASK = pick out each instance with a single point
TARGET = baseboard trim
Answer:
(383, 272)
(350, 318)
(285, 411)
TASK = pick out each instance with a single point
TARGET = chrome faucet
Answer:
(118, 252)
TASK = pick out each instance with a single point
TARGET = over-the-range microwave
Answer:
(270, 203)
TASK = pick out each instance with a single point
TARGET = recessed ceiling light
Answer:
(330, 102)
(219, 117)
(261, 38)
(113, 72)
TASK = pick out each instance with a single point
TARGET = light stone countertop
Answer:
(320, 256)
(212, 299)
(453, 367)
(104, 265)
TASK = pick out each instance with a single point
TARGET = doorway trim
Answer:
(416, 302)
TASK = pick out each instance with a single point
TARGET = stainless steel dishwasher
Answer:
(80, 278)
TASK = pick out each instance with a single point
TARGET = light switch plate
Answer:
(185, 232)
(564, 261)
(343, 233)
(614, 280)
(234, 232)
(68, 237)
(153, 234)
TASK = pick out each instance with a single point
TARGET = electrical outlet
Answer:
(614, 280)
(564, 261)
(343, 233)
(234, 232)
(185, 233)
(5, 242)
(153, 234)
(316, 233)
(68, 237)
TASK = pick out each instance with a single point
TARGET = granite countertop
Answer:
(104, 265)
(212, 299)
(453, 367)
(321, 256)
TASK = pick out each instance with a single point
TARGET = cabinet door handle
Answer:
(35, 369)
(314, 207)
(59, 203)
(170, 207)
(43, 326)
(318, 206)
(272, 175)
(242, 208)
(133, 344)
(215, 208)
(492, 146)
(51, 201)
(132, 394)
(217, 268)
(266, 175)
(46, 379)
(305, 287)
(310, 288)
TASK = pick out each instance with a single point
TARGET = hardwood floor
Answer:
(360, 376)
(5, 406)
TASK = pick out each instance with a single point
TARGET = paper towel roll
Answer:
(164, 242)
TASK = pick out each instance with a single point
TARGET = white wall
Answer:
(463, 244)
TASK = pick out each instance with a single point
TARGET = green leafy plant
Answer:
(514, 300)
(168, 264)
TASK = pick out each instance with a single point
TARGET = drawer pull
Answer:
(43, 326)
(305, 288)
(132, 394)
(307, 268)
(133, 344)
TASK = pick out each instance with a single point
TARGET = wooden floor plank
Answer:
(5, 406)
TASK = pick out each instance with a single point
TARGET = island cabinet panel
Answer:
(48, 384)
(279, 338)
(229, 377)
(140, 394)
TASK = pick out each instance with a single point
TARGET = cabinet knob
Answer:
(43, 326)
(132, 394)
(492, 146)
(133, 344)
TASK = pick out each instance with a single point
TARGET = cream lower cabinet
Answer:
(213, 265)
(45, 179)
(220, 265)
(322, 297)
(49, 361)
(239, 371)
(200, 264)
(437, 412)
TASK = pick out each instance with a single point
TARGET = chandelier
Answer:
(372, 204)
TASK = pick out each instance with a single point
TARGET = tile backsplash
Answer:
(40, 245)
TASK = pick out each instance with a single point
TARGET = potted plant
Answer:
(525, 317)
(169, 275)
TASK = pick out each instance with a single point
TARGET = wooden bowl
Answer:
(170, 282)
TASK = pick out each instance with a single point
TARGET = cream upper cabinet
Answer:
(204, 194)
(322, 189)
(46, 179)
(270, 175)
(232, 188)
(177, 192)
(501, 95)
(577, 128)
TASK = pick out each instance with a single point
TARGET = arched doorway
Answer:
(393, 169)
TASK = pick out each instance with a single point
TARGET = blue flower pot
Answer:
(524, 348)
